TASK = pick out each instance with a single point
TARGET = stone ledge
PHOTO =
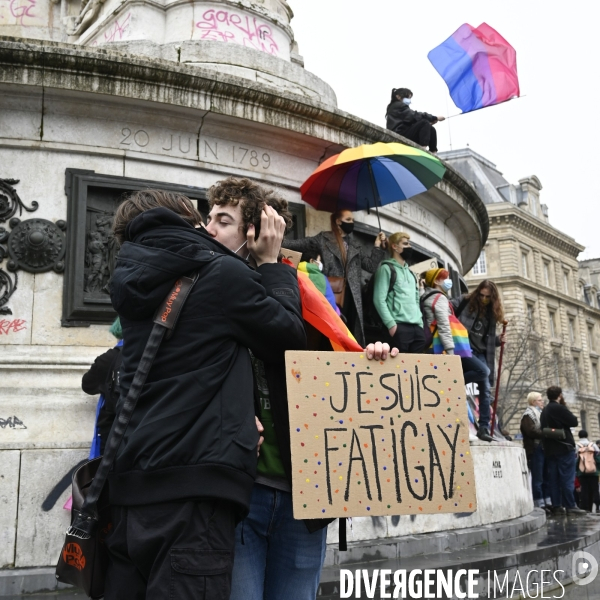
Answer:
(105, 71)
(433, 543)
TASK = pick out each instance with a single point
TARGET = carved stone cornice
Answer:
(506, 214)
(106, 71)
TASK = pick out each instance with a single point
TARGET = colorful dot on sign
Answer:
(388, 480)
(341, 421)
(344, 445)
(323, 510)
(339, 464)
(305, 425)
(304, 505)
(359, 483)
(328, 363)
(467, 454)
(416, 481)
(326, 384)
(462, 473)
(317, 485)
(362, 355)
(371, 385)
(306, 460)
(314, 376)
(308, 481)
(345, 509)
(352, 364)
(421, 508)
(298, 429)
(316, 437)
(368, 508)
(314, 414)
(366, 445)
(435, 367)
(302, 443)
(385, 468)
(319, 462)
(331, 418)
(448, 409)
(297, 406)
(389, 506)
(340, 477)
(470, 505)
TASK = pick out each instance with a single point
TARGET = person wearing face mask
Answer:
(311, 264)
(480, 312)
(398, 307)
(438, 308)
(343, 262)
(413, 125)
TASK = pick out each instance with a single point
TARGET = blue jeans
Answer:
(278, 558)
(561, 469)
(537, 467)
(475, 370)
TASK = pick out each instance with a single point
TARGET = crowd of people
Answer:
(187, 491)
(564, 473)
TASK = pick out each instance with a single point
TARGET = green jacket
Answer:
(402, 304)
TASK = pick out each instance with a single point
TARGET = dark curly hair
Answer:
(252, 197)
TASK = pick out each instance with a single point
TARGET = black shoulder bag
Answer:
(84, 559)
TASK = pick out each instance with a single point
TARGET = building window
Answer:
(572, 336)
(566, 282)
(556, 357)
(591, 343)
(552, 323)
(583, 419)
(480, 267)
(576, 373)
(530, 314)
(547, 273)
(525, 264)
(595, 377)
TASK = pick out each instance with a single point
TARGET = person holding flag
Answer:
(415, 126)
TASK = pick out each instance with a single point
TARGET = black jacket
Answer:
(193, 432)
(103, 378)
(557, 416)
(400, 116)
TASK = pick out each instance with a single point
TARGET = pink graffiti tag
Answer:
(22, 10)
(15, 325)
(117, 29)
(223, 26)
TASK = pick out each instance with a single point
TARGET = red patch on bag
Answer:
(73, 556)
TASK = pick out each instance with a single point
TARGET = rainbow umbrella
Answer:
(370, 176)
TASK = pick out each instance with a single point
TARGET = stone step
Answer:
(432, 543)
(550, 548)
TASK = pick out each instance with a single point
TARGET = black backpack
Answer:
(375, 330)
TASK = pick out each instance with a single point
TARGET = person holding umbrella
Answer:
(343, 260)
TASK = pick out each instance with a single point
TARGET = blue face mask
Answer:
(447, 285)
(406, 101)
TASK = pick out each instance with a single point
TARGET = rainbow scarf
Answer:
(317, 311)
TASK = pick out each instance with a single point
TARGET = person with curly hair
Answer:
(276, 556)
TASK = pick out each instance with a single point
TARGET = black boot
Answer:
(484, 434)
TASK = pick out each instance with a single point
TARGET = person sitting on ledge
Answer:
(415, 126)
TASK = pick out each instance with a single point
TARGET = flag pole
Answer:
(504, 324)
(482, 107)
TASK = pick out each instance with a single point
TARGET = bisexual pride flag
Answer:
(478, 65)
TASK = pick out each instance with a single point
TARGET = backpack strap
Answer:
(461, 306)
(165, 319)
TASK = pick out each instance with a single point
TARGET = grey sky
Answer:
(364, 49)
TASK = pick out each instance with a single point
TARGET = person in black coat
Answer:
(413, 125)
(560, 454)
(184, 472)
(103, 378)
(276, 556)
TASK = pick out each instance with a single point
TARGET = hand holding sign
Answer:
(378, 437)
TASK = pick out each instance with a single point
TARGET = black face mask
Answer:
(407, 253)
(347, 227)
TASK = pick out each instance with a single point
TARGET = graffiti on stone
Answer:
(8, 326)
(227, 26)
(12, 423)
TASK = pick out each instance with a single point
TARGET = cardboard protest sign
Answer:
(293, 256)
(378, 437)
(430, 263)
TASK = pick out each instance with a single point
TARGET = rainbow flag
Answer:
(479, 67)
(317, 311)
(321, 282)
(460, 336)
